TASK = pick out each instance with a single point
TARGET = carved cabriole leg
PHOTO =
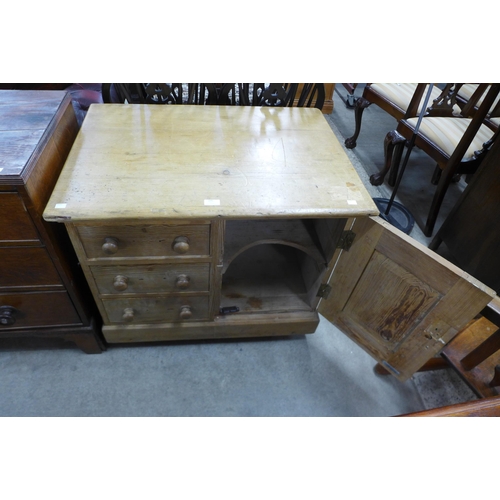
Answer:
(393, 150)
(361, 105)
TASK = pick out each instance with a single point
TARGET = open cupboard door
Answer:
(397, 299)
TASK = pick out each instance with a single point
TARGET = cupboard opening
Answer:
(273, 266)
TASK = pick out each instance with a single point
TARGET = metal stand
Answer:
(400, 216)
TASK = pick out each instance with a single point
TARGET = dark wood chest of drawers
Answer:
(44, 299)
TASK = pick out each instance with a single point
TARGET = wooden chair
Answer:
(393, 98)
(311, 95)
(457, 144)
(242, 94)
(464, 95)
(160, 93)
(273, 94)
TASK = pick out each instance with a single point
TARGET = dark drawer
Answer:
(27, 267)
(16, 226)
(22, 310)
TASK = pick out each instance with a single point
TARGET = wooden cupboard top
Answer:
(148, 162)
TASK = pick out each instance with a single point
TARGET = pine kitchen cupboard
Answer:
(44, 297)
(204, 222)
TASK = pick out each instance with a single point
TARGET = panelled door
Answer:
(397, 299)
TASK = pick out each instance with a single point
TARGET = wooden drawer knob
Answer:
(181, 244)
(182, 281)
(110, 246)
(185, 312)
(120, 283)
(128, 315)
(7, 315)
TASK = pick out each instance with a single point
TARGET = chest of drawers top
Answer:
(27, 122)
(203, 162)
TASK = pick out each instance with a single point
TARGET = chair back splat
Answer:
(225, 94)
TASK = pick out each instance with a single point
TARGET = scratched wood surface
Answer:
(140, 161)
(24, 118)
(397, 299)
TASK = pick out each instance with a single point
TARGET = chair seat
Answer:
(447, 132)
(401, 94)
(466, 91)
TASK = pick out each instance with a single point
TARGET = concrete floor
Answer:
(324, 374)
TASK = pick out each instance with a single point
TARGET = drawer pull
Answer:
(128, 315)
(7, 315)
(120, 283)
(182, 281)
(181, 244)
(110, 246)
(185, 312)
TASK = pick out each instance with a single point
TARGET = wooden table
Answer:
(44, 298)
(200, 222)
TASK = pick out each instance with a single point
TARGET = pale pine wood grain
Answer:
(157, 309)
(231, 326)
(145, 161)
(155, 278)
(136, 240)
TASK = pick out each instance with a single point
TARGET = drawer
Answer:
(27, 267)
(156, 309)
(16, 226)
(21, 310)
(158, 278)
(144, 240)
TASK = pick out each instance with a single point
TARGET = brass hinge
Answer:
(434, 336)
(324, 291)
(346, 240)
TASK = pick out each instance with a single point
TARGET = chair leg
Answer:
(444, 181)
(361, 105)
(395, 163)
(436, 242)
(436, 176)
(393, 150)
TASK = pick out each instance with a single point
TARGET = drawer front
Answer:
(22, 310)
(158, 278)
(27, 267)
(144, 240)
(16, 226)
(156, 309)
